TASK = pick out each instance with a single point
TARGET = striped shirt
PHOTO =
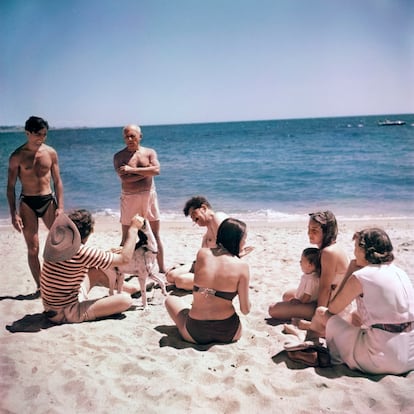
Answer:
(60, 281)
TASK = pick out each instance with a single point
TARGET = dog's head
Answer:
(146, 238)
(142, 240)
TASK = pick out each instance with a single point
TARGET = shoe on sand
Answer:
(298, 346)
(316, 356)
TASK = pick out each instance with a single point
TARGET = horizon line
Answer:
(215, 122)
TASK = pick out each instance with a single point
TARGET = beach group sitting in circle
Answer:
(359, 312)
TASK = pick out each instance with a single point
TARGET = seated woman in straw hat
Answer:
(68, 263)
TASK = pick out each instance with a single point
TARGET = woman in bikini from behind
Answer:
(219, 276)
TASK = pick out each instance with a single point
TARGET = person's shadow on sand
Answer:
(173, 339)
(37, 321)
(334, 371)
(29, 296)
(31, 323)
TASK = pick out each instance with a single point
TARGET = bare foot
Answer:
(293, 330)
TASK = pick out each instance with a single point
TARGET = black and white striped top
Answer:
(60, 281)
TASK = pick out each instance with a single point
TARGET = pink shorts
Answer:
(144, 203)
(75, 313)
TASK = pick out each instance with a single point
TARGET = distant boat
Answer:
(388, 122)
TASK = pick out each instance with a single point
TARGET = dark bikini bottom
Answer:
(39, 204)
(205, 332)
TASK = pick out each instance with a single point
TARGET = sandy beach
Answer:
(137, 362)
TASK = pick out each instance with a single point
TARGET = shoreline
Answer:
(139, 362)
(260, 217)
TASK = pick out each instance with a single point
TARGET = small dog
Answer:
(142, 265)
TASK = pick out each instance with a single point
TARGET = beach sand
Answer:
(138, 362)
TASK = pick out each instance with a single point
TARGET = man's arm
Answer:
(125, 255)
(57, 183)
(13, 172)
(152, 169)
(127, 177)
(149, 171)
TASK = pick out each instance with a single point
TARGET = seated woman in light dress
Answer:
(219, 276)
(383, 341)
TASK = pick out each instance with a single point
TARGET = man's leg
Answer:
(97, 277)
(131, 204)
(155, 227)
(124, 234)
(31, 236)
(50, 215)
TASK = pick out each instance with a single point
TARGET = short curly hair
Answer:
(376, 244)
(34, 124)
(83, 221)
(194, 203)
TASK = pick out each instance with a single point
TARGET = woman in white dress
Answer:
(383, 341)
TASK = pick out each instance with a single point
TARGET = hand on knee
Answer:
(321, 310)
(170, 276)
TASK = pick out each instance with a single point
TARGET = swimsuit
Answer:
(207, 291)
(205, 332)
(217, 330)
(144, 203)
(39, 203)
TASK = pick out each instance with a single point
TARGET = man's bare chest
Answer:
(38, 164)
(137, 159)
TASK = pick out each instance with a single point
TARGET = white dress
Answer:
(309, 284)
(388, 298)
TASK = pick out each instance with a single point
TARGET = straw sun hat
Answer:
(63, 240)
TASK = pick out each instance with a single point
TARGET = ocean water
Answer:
(274, 170)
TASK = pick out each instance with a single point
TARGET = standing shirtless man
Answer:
(136, 166)
(35, 164)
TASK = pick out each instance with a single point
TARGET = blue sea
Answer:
(273, 170)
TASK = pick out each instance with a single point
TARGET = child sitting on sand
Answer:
(308, 288)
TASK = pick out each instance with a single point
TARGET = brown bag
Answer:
(313, 356)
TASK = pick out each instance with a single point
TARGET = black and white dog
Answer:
(143, 265)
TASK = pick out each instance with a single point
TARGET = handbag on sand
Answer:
(312, 356)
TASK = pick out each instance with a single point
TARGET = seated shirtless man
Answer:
(35, 164)
(201, 212)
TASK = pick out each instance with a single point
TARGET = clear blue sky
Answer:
(112, 62)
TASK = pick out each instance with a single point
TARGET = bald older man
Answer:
(136, 166)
